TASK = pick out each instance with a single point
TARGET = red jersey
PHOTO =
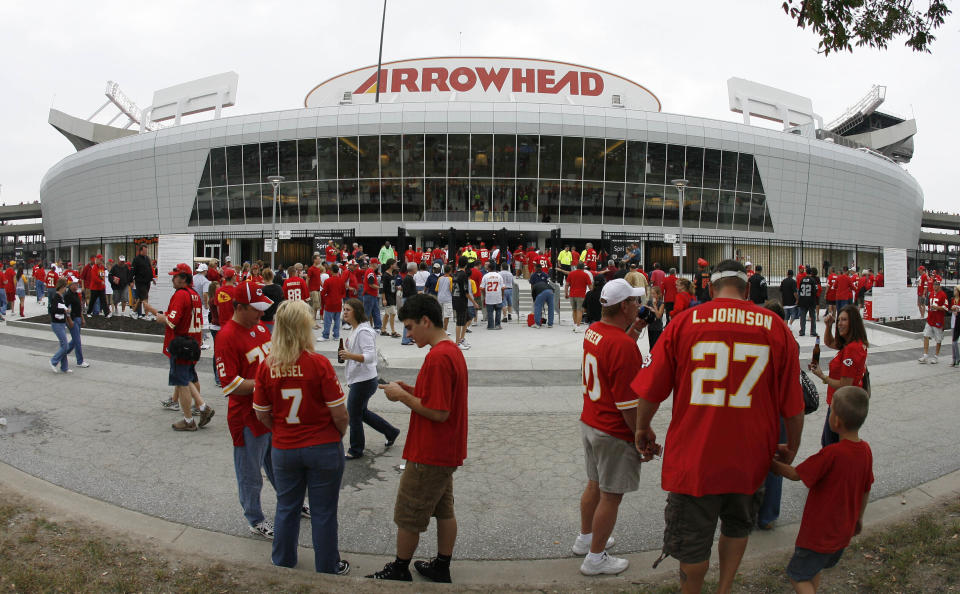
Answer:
(330, 254)
(38, 274)
(935, 317)
(575, 258)
(410, 256)
(484, 254)
(224, 302)
(610, 359)
(97, 277)
(839, 478)
(922, 284)
(843, 287)
(314, 282)
(681, 302)
(426, 257)
(532, 259)
(418, 257)
(519, 257)
(670, 288)
(295, 288)
(333, 292)
(51, 279)
(850, 361)
(734, 370)
(579, 281)
(437, 254)
(590, 259)
(800, 277)
(372, 283)
(238, 352)
(545, 262)
(441, 385)
(299, 400)
(878, 280)
(832, 287)
(184, 317)
(476, 277)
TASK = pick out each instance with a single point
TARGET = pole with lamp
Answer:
(275, 181)
(681, 185)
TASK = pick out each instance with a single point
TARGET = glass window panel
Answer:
(592, 209)
(503, 199)
(656, 163)
(235, 200)
(744, 172)
(413, 198)
(234, 165)
(327, 200)
(391, 204)
(526, 206)
(218, 167)
(458, 199)
(676, 162)
(756, 212)
(309, 207)
(266, 202)
(612, 203)
(633, 204)
(436, 198)
(709, 209)
(347, 157)
(370, 199)
(288, 208)
(326, 158)
(572, 163)
(251, 164)
(653, 205)
(548, 200)
(504, 155)
(671, 206)
(767, 221)
(288, 159)
(369, 156)
(711, 168)
(435, 146)
(757, 183)
(527, 149)
(571, 195)
(480, 191)
(205, 176)
(204, 209)
(221, 206)
(728, 202)
(458, 161)
(728, 171)
(691, 205)
(268, 160)
(481, 146)
(412, 155)
(741, 211)
(616, 160)
(593, 157)
(694, 173)
(347, 200)
(252, 211)
(306, 159)
(390, 156)
(549, 157)
(636, 161)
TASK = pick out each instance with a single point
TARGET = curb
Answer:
(890, 329)
(94, 332)
(64, 505)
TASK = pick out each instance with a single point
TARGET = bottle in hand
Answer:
(816, 352)
(340, 348)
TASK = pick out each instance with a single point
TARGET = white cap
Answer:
(748, 264)
(227, 259)
(617, 290)
(201, 267)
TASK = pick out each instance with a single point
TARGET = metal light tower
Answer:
(275, 182)
(681, 185)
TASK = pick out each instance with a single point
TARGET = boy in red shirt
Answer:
(577, 284)
(436, 443)
(933, 329)
(839, 478)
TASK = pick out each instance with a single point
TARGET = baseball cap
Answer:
(251, 293)
(617, 290)
(72, 279)
(702, 262)
(201, 267)
(99, 256)
(123, 258)
(436, 266)
(181, 268)
(920, 268)
(227, 259)
(110, 260)
(229, 272)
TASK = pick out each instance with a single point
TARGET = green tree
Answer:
(840, 24)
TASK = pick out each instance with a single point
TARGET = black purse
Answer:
(184, 348)
(811, 397)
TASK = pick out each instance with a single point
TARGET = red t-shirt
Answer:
(734, 369)
(590, 259)
(437, 253)
(579, 281)
(410, 256)
(922, 284)
(935, 317)
(330, 254)
(476, 277)
(418, 257)
(533, 258)
(295, 288)
(610, 359)
(184, 316)
(97, 276)
(878, 281)
(224, 303)
(238, 352)
(681, 302)
(372, 286)
(519, 257)
(314, 278)
(843, 287)
(832, 287)
(51, 279)
(484, 254)
(299, 400)
(850, 361)
(441, 385)
(38, 274)
(333, 292)
(575, 258)
(839, 477)
(670, 288)
(800, 277)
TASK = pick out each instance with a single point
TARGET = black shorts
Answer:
(143, 291)
(806, 564)
(692, 521)
(460, 311)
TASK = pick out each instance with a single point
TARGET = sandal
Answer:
(384, 334)
(395, 335)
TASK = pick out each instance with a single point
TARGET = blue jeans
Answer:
(507, 297)
(371, 307)
(75, 345)
(60, 329)
(248, 459)
(805, 311)
(493, 309)
(545, 297)
(41, 290)
(213, 339)
(773, 488)
(471, 312)
(357, 399)
(316, 470)
(3, 302)
(331, 317)
(841, 303)
(828, 437)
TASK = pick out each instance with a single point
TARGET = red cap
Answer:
(181, 268)
(228, 272)
(702, 262)
(920, 268)
(801, 267)
(110, 260)
(251, 293)
(92, 258)
(374, 261)
(99, 256)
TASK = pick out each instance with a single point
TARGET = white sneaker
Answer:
(581, 546)
(204, 346)
(576, 328)
(933, 359)
(54, 368)
(607, 564)
(264, 529)
(321, 339)
(84, 365)
(922, 359)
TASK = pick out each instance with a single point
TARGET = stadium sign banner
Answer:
(497, 80)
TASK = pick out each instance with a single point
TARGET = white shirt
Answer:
(421, 279)
(362, 341)
(492, 285)
(507, 277)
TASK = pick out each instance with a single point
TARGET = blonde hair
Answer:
(292, 333)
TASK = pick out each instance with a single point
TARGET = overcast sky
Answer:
(60, 54)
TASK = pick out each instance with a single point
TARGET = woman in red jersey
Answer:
(684, 296)
(297, 394)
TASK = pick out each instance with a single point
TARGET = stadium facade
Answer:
(496, 149)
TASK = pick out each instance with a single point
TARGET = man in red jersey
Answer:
(50, 280)
(330, 253)
(483, 254)
(933, 329)
(732, 367)
(590, 258)
(295, 287)
(922, 281)
(843, 289)
(97, 284)
(436, 443)
(578, 282)
(669, 292)
(439, 254)
(39, 281)
(832, 292)
(608, 423)
(332, 295)
(184, 317)
(315, 278)
(410, 255)
(878, 280)
(519, 257)
(532, 259)
(418, 256)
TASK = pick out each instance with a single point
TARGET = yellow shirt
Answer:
(470, 255)
(565, 257)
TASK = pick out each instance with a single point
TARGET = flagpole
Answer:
(383, 22)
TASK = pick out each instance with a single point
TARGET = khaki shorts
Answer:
(315, 299)
(389, 310)
(934, 334)
(611, 462)
(577, 303)
(425, 491)
(447, 310)
(692, 521)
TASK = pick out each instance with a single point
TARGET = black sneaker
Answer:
(391, 440)
(391, 571)
(434, 570)
(343, 567)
